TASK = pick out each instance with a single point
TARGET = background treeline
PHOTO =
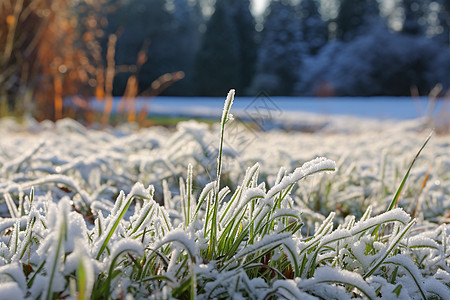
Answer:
(52, 49)
(307, 47)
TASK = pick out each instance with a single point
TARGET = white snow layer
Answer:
(85, 171)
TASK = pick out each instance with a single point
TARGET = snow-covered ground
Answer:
(396, 108)
(119, 157)
(85, 170)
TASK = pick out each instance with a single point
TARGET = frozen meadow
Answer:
(224, 211)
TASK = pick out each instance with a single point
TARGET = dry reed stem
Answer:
(109, 78)
(58, 101)
(424, 182)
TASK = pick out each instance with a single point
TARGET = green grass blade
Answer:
(120, 248)
(391, 248)
(84, 279)
(412, 274)
(113, 228)
(59, 246)
(214, 224)
(400, 188)
(225, 117)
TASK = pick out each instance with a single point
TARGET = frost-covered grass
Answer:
(82, 215)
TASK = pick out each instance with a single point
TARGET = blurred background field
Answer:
(69, 57)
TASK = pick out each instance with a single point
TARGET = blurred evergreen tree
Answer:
(354, 18)
(445, 20)
(313, 27)
(414, 16)
(218, 61)
(245, 29)
(185, 40)
(380, 63)
(281, 50)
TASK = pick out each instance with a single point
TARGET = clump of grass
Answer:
(228, 242)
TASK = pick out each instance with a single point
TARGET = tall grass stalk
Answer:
(400, 188)
(54, 261)
(394, 201)
(117, 219)
(226, 116)
(109, 78)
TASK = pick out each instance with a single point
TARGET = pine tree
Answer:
(217, 66)
(414, 14)
(444, 18)
(354, 17)
(245, 26)
(313, 27)
(185, 40)
(281, 50)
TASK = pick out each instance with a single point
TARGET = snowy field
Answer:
(398, 108)
(128, 213)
